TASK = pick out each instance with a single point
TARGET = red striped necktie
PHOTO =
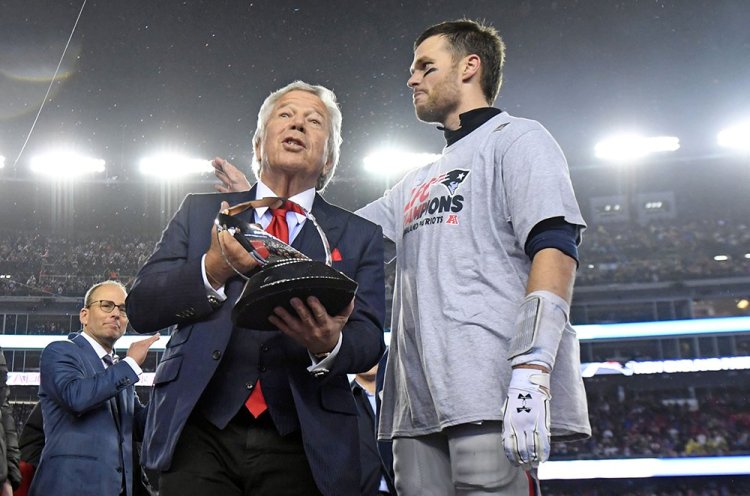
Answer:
(278, 227)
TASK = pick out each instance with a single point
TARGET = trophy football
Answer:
(283, 272)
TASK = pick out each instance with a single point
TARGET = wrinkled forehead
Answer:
(302, 101)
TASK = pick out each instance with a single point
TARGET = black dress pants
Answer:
(247, 458)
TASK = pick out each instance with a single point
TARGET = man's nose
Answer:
(412, 81)
(298, 123)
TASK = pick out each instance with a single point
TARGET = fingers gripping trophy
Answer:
(282, 272)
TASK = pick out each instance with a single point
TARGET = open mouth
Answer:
(292, 142)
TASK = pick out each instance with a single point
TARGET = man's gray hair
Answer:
(333, 145)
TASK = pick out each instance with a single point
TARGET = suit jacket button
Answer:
(119, 469)
(216, 354)
(249, 385)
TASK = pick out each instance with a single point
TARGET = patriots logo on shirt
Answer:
(453, 179)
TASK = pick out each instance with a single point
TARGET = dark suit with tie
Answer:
(89, 419)
(376, 456)
(210, 366)
(373, 467)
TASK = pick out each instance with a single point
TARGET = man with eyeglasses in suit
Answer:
(89, 405)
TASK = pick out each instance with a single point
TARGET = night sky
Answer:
(144, 76)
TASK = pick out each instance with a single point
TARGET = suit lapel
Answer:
(94, 365)
(247, 215)
(92, 362)
(308, 241)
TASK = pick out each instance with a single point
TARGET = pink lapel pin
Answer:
(336, 255)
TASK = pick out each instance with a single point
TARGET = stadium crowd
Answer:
(50, 264)
(649, 426)
(57, 265)
(663, 251)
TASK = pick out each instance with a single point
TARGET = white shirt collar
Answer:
(304, 199)
(100, 351)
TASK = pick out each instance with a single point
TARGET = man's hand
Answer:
(7, 489)
(312, 327)
(224, 248)
(139, 349)
(232, 179)
(526, 419)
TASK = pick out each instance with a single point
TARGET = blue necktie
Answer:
(110, 359)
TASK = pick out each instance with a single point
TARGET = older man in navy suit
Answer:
(89, 404)
(238, 411)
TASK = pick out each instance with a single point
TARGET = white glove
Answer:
(526, 431)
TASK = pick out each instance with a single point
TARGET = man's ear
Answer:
(256, 151)
(83, 316)
(470, 66)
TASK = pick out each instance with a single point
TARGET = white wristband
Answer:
(539, 326)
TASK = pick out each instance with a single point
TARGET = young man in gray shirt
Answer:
(486, 241)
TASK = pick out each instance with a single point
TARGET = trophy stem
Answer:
(221, 247)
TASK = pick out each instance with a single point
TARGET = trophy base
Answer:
(275, 284)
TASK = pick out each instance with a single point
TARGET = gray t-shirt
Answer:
(460, 225)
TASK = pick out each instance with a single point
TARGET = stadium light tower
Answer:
(169, 166)
(390, 161)
(631, 147)
(65, 164)
(736, 137)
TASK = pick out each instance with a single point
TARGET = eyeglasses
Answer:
(107, 306)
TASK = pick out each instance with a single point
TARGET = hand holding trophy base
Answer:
(283, 273)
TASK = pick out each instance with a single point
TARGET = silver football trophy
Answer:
(283, 272)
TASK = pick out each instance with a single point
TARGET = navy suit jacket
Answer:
(374, 465)
(88, 448)
(169, 290)
(385, 447)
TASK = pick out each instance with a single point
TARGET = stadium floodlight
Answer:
(721, 258)
(747, 255)
(168, 166)
(65, 164)
(633, 330)
(736, 137)
(390, 161)
(629, 147)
